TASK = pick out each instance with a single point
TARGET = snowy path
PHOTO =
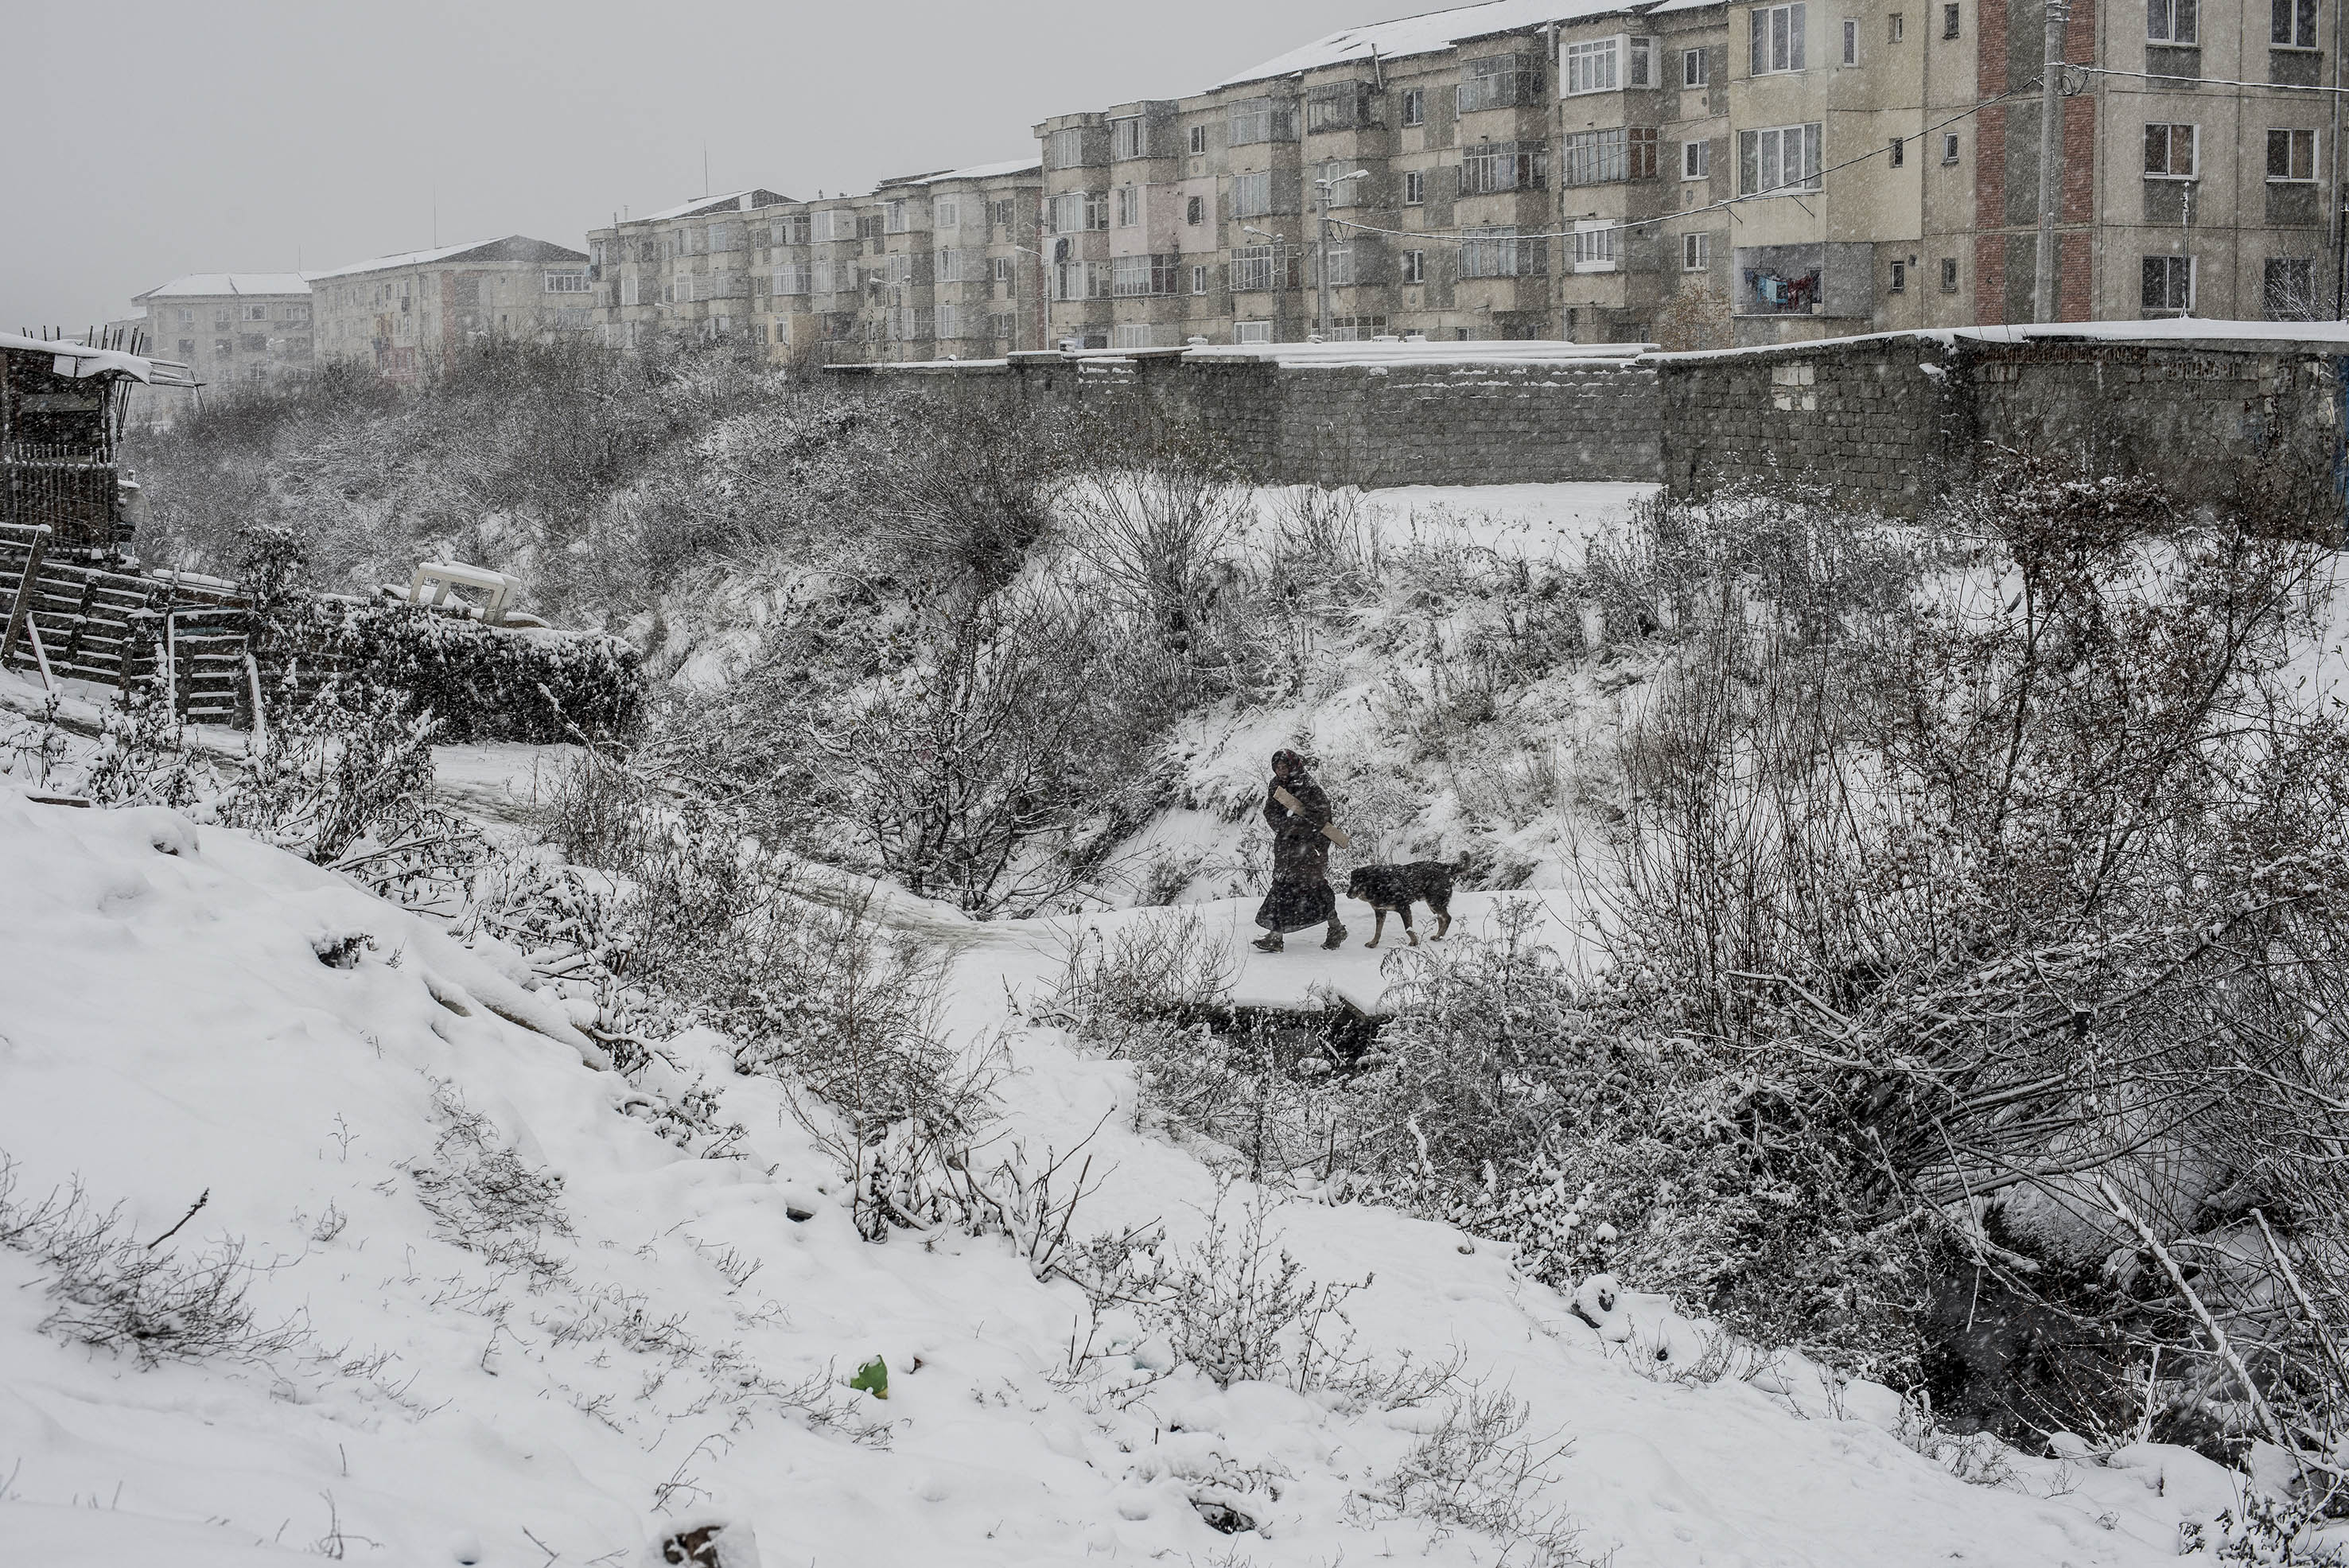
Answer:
(168, 1028)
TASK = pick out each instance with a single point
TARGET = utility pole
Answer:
(1322, 188)
(2044, 295)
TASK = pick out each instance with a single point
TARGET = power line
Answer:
(1780, 190)
(2199, 81)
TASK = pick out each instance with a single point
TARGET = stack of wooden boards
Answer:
(90, 621)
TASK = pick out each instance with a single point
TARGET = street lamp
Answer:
(1325, 186)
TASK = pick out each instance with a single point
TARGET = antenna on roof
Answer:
(705, 170)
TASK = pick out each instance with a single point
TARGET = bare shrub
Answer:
(1478, 1472)
(483, 1196)
(112, 1293)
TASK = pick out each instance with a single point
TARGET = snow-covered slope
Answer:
(523, 1329)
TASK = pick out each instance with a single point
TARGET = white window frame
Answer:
(1415, 267)
(1807, 138)
(1129, 207)
(1593, 65)
(1126, 137)
(1780, 42)
(947, 321)
(1595, 245)
(1248, 181)
(946, 212)
(1256, 269)
(2193, 278)
(1414, 187)
(1695, 68)
(1415, 106)
(1696, 160)
(1199, 274)
(1638, 62)
(2193, 145)
(1696, 252)
(1898, 281)
(2315, 151)
(2299, 19)
(1251, 331)
(1340, 264)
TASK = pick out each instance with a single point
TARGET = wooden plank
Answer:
(21, 600)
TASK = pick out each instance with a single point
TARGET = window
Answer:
(1003, 327)
(2290, 292)
(1949, 147)
(2167, 282)
(1899, 283)
(1696, 160)
(1126, 137)
(792, 229)
(187, 319)
(256, 313)
(2291, 24)
(224, 347)
(1415, 267)
(949, 321)
(1341, 265)
(1590, 67)
(1949, 275)
(1785, 158)
(1263, 119)
(1498, 81)
(187, 347)
(1133, 277)
(1851, 40)
(1344, 192)
(946, 212)
(1338, 106)
(957, 266)
(1593, 157)
(999, 271)
(1696, 252)
(1254, 269)
(1643, 153)
(1000, 212)
(900, 213)
(1594, 246)
(1414, 187)
(1415, 106)
(1066, 147)
(1948, 21)
(2171, 152)
(1129, 206)
(566, 283)
(1494, 166)
(1251, 195)
(1198, 141)
(1134, 335)
(1893, 29)
(834, 223)
(1640, 72)
(254, 342)
(2170, 21)
(1251, 331)
(1693, 71)
(1777, 39)
(2291, 156)
(1195, 211)
(1899, 151)
(1356, 328)
(722, 236)
(1499, 253)
(791, 280)
(1198, 278)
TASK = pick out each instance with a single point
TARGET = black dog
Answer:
(1392, 890)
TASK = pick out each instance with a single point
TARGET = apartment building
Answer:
(232, 327)
(401, 313)
(923, 266)
(1705, 174)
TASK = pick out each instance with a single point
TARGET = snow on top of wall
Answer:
(88, 361)
(1422, 34)
(1329, 356)
(196, 284)
(2170, 329)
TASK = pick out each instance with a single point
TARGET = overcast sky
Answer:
(144, 138)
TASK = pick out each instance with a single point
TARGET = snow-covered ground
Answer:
(519, 1379)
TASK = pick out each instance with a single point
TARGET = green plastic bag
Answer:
(872, 1379)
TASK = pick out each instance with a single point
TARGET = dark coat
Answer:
(1301, 894)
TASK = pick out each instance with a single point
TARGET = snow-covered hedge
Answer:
(481, 683)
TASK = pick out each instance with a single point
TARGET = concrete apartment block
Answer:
(232, 327)
(403, 313)
(1702, 174)
(685, 271)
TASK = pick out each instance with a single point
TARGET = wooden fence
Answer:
(120, 629)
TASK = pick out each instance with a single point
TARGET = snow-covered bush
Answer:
(110, 1290)
(1478, 1470)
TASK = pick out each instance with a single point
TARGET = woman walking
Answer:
(1298, 813)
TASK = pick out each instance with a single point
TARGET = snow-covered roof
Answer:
(87, 362)
(733, 202)
(983, 172)
(1424, 35)
(513, 247)
(198, 284)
